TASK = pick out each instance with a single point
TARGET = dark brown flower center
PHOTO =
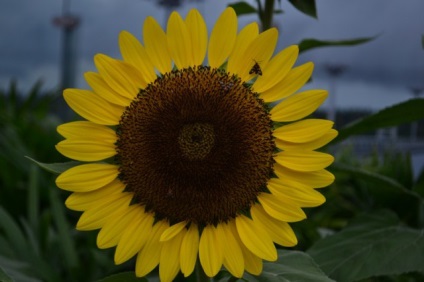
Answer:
(195, 145)
(196, 140)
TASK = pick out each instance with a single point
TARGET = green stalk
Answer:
(33, 197)
(200, 274)
(267, 14)
(69, 251)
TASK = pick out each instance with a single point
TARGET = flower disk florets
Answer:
(196, 145)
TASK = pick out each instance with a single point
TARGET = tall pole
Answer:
(68, 23)
(334, 71)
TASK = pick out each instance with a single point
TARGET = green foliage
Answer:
(384, 191)
(307, 7)
(405, 112)
(308, 44)
(37, 237)
(243, 8)
(123, 276)
(27, 127)
(264, 11)
(372, 245)
(4, 277)
(56, 168)
(290, 266)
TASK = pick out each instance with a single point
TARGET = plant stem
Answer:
(33, 197)
(268, 14)
(200, 274)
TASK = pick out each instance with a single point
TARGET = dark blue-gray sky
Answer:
(379, 73)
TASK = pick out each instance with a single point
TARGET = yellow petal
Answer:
(211, 250)
(258, 52)
(170, 257)
(300, 194)
(281, 209)
(113, 229)
(189, 249)
(255, 239)
(120, 76)
(172, 231)
(276, 69)
(87, 177)
(102, 89)
(222, 38)
(148, 258)
(315, 179)
(252, 263)
(96, 217)
(292, 82)
(179, 42)
(307, 146)
(233, 256)
(298, 106)
(90, 106)
(198, 33)
(81, 201)
(134, 237)
(303, 131)
(304, 160)
(244, 38)
(156, 46)
(86, 150)
(279, 231)
(86, 130)
(134, 53)
(86, 141)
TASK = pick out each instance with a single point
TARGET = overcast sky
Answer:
(378, 74)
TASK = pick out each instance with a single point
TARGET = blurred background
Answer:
(47, 45)
(377, 74)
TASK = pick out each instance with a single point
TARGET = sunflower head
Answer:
(188, 161)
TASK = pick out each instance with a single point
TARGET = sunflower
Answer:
(187, 162)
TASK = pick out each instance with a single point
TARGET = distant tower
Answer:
(334, 71)
(68, 23)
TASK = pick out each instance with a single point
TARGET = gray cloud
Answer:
(30, 44)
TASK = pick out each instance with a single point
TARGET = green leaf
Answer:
(305, 6)
(33, 196)
(373, 245)
(404, 112)
(67, 244)
(55, 167)
(4, 277)
(389, 185)
(13, 232)
(386, 192)
(291, 266)
(17, 270)
(243, 8)
(310, 43)
(124, 276)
